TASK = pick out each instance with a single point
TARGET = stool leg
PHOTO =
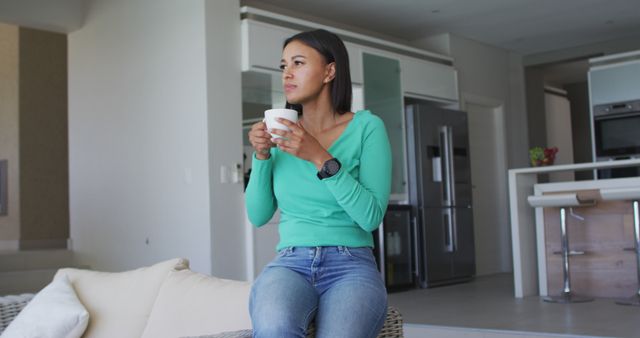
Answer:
(635, 300)
(566, 296)
(566, 290)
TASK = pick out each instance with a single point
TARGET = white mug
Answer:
(270, 116)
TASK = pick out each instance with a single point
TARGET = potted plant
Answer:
(540, 156)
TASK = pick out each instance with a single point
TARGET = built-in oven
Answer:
(617, 135)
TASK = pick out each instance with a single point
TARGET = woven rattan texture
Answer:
(10, 306)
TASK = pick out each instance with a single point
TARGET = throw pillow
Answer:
(192, 304)
(55, 312)
(119, 303)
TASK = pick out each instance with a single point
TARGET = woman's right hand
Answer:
(261, 140)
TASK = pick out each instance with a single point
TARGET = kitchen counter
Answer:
(524, 237)
(600, 230)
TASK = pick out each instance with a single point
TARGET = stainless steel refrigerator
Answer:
(440, 194)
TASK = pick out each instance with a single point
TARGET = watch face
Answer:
(329, 168)
(332, 167)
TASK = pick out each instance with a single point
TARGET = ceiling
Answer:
(524, 26)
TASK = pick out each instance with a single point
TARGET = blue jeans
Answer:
(339, 287)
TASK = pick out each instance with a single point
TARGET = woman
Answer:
(330, 176)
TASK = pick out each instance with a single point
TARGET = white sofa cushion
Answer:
(192, 304)
(55, 312)
(119, 303)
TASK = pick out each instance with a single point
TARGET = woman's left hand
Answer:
(299, 143)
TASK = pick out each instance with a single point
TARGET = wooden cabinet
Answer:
(430, 80)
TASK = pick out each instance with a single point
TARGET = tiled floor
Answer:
(488, 303)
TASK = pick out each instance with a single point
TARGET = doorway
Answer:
(487, 144)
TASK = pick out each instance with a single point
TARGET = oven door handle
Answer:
(613, 116)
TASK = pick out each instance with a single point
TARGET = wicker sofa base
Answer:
(10, 306)
(392, 327)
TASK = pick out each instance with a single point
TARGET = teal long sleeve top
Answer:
(340, 210)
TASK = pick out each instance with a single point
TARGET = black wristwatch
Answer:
(329, 168)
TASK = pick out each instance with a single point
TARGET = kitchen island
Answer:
(526, 239)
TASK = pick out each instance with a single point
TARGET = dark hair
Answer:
(332, 49)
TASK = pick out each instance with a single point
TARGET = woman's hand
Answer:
(260, 140)
(301, 144)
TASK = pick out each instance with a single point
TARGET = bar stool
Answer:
(633, 195)
(563, 201)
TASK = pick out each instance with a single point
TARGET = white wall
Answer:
(224, 95)
(138, 138)
(483, 69)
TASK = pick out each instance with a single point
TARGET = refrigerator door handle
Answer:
(454, 229)
(451, 178)
(451, 166)
(448, 235)
(444, 155)
(382, 253)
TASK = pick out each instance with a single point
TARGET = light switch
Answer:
(224, 174)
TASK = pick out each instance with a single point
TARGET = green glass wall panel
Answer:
(383, 97)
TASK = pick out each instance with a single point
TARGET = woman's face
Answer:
(304, 72)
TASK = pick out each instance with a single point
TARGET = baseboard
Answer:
(9, 245)
(38, 244)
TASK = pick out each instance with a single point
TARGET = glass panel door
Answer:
(383, 96)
